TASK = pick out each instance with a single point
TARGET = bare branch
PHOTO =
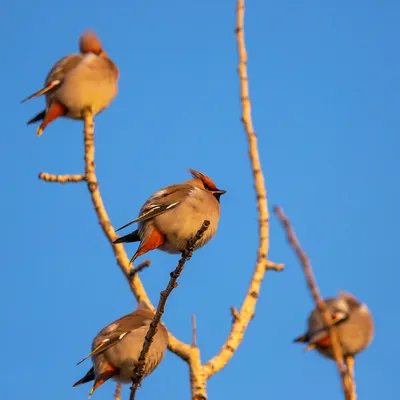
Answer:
(117, 395)
(140, 267)
(194, 331)
(62, 178)
(198, 377)
(320, 303)
(176, 346)
(242, 318)
(274, 266)
(139, 371)
(179, 348)
(350, 361)
(235, 314)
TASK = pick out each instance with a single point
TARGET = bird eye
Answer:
(206, 186)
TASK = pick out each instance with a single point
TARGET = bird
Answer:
(354, 323)
(88, 79)
(117, 347)
(174, 214)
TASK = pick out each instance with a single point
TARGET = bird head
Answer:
(89, 42)
(205, 182)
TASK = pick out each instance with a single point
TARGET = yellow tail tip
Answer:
(311, 346)
(39, 131)
(132, 259)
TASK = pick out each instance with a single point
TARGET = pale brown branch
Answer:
(235, 314)
(274, 266)
(194, 331)
(62, 178)
(320, 303)
(139, 371)
(117, 395)
(198, 377)
(143, 265)
(186, 352)
(179, 348)
(242, 318)
(350, 361)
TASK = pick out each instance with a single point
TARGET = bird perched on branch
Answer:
(354, 326)
(88, 79)
(173, 215)
(117, 347)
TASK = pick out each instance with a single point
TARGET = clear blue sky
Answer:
(324, 81)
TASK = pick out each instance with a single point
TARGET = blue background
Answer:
(324, 82)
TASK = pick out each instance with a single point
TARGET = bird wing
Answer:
(62, 67)
(56, 75)
(116, 331)
(162, 201)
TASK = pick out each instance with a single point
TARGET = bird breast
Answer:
(355, 334)
(92, 83)
(181, 223)
(124, 355)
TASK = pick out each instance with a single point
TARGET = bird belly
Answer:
(125, 354)
(178, 229)
(353, 338)
(78, 93)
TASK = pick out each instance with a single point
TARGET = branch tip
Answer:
(139, 268)
(347, 381)
(242, 318)
(194, 331)
(44, 176)
(235, 314)
(274, 266)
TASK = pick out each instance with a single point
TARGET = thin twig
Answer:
(139, 371)
(117, 395)
(243, 317)
(350, 361)
(181, 349)
(235, 314)
(140, 267)
(194, 331)
(274, 266)
(320, 303)
(62, 178)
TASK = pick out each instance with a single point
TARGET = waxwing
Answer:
(173, 215)
(88, 79)
(117, 347)
(354, 325)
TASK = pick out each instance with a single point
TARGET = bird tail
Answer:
(37, 118)
(87, 378)
(301, 339)
(131, 237)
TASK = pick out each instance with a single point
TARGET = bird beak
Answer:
(220, 192)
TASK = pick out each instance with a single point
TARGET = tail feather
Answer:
(131, 237)
(37, 118)
(87, 378)
(301, 339)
